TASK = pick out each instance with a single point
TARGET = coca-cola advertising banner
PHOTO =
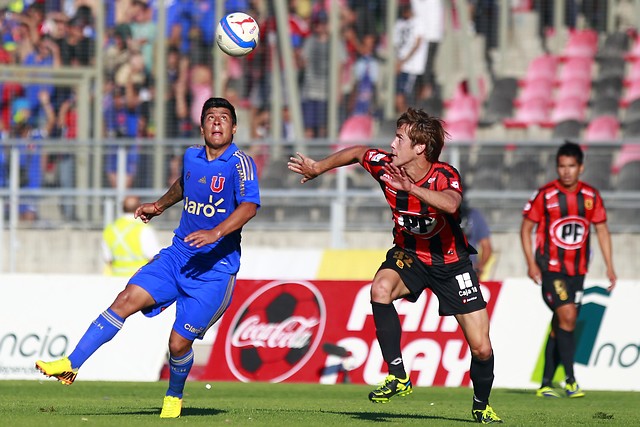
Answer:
(323, 331)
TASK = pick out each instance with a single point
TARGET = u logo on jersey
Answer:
(217, 183)
(569, 232)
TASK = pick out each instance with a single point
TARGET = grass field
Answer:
(121, 404)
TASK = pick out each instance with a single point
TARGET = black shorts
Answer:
(559, 289)
(455, 285)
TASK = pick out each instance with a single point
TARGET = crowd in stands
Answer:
(62, 33)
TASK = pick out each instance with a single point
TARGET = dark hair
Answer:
(570, 149)
(218, 103)
(424, 129)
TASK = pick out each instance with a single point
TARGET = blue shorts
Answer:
(314, 114)
(201, 294)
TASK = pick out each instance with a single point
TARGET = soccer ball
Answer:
(237, 34)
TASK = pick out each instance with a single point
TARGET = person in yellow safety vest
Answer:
(128, 244)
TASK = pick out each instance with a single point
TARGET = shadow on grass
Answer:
(186, 411)
(386, 416)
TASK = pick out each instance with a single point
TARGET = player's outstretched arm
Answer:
(309, 168)
(174, 194)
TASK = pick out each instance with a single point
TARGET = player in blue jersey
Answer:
(219, 186)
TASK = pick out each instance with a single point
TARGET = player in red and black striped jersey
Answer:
(430, 249)
(562, 212)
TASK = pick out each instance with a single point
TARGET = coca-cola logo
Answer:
(276, 331)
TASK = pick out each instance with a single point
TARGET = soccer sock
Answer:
(389, 332)
(567, 347)
(550, 361)
(481, 374)
(105, 327)
(179, 371)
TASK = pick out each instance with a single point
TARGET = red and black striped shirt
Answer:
(564, 219)
(435, 237)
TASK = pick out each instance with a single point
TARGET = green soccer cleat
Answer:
(171, 407)
(573, 390)
(60, 369)
(486, 416)
(392, 386)
(547, 391)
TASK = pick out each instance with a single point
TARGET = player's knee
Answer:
(381, 292)
(481, 351)
(179, 347)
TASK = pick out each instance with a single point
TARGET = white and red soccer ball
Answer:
(237, 34)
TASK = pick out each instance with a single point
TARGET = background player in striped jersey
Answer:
(430, 250)
(219, 186)
(562, 212)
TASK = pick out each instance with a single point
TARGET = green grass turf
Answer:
(122, 404)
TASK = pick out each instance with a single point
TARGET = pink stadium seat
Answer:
(581, 44)
(461, 130)
(356, 129)
(462, 107)
(539, 88)
(602, 129)
(634, 72)
(542, 67)
(632, 93)
(532, 112)
(575, 68)
(568, 109)
(634, 52)
(628, 153)
(574, 88)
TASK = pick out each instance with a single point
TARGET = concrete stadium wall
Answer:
(78, 251)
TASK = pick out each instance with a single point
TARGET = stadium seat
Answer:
(432, 105)
(496, 109)
(568, 109)
(542, 67)
(602, 129)
(628, 153)
(632, 112)
(610, 86)
(539, 88)
(634, 52)
(631, 94)
(632, 129)
(567, 129)
(357, 128)
(462, 107)
(615, 45)
(580, 44)
(532, 112)
(597, 169)
(461, 130)
(627, 178)
(604, 106)
(611, 67)
(575, 88)
(633, 74)
(575, 68)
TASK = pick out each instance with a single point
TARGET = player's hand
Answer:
(612, 279)
(201, 238)
(535, 274)
(146, 211)
(304, 166)
(396, 177)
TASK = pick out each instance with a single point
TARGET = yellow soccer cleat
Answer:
(60, 369)
(392, 386)
(486, 416)
(546, 391)
(171, 407)
(573, 390)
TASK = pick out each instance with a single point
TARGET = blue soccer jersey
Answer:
(212, 191)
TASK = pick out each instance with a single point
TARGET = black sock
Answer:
(389, 332)
(550, 361)
(481, 374)
(567, 347)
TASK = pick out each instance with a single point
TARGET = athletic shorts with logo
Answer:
(559, 289)
(201, 293)
(455, 285)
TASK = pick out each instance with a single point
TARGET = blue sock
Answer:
(105, 327)
(179, 371)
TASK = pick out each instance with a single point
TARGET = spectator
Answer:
(128, 244)
(411, 50)
(315, 83)
(476, 229)
(367, 73)
(431, 13)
